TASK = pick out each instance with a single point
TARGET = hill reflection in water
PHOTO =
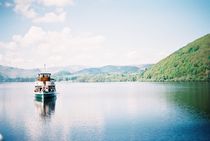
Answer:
(192, 97)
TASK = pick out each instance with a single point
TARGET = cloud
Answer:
(49, 8)
(63, 47)
(24, 7)
(57, 3)
(51, 17)
(33, 36)
(38, 46)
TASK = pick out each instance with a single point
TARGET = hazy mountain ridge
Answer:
(111, 69)
(70, 68)
(65, 73)
(12, 72)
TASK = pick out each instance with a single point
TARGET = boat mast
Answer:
(45, 70)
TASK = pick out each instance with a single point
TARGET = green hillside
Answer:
(190, 63)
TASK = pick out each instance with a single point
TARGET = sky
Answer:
(97, 32)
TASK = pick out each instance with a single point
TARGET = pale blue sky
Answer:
(98, 32)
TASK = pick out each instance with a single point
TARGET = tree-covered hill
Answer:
(190, 63)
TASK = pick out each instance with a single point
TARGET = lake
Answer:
(141, 111)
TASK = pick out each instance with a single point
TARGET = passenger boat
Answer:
(44, 86)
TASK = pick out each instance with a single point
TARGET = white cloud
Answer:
(33, 36)
(38, 46)
(51, 17)
(24, 8)
(52, 10)
(57, 3)
(60, 48)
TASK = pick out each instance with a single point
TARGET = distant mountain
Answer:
(17, 74)
(75, 73)
(13, 72)
(62, 74)
(110, 69)
(107, 73)
(71, 68)
(190, 63)
(89, 71)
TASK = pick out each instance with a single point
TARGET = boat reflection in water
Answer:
(45, 106)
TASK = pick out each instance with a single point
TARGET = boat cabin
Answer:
(44, 77)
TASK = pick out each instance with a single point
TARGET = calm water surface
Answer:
(107, 112)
